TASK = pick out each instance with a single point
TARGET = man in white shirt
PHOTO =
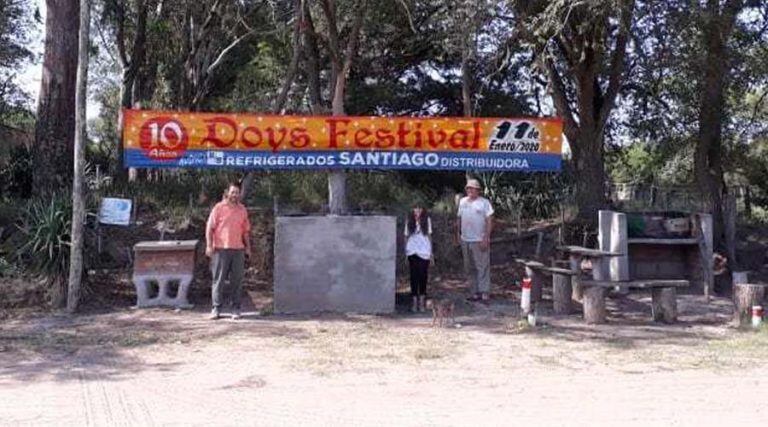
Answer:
(473, 230)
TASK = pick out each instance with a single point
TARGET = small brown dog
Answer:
(719, 264)
(442, 309)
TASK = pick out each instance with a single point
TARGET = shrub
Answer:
(16, 174)
(45, 224)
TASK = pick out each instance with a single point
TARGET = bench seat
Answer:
(639, 284)
(663, 297)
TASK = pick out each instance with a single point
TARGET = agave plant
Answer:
(45, 224)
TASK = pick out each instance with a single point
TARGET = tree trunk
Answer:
(337, 179)
(341, 66)
(586, 71)
(744, 297)
(78, 196)
(55, 128)
(590, 169)
(126, 101)
(708, 167)
(729, 230)
(466, 82)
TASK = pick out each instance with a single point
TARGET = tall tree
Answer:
(341, 53)
(717, 23)
(55, 128)
(129, 22)
(691, 71)
(582, 46)
(78, 194)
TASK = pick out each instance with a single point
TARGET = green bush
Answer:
(534, 196)
(45, 225)
(7, 268)
(16, 174)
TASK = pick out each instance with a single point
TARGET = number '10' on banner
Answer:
(162, 139)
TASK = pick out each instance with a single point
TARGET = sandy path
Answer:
(374, 371)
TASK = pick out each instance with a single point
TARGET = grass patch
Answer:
(69, 341)
(371, 345)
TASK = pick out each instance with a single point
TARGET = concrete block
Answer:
(164, 297)
(335, 263)
(163, 263)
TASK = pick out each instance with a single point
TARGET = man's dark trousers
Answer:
(228, 263)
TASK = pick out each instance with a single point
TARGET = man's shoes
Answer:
(214, 314)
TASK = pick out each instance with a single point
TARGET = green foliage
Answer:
(8, 268)
(385, 192)
(639, 163)
(45, 224)
(370, 191)
(166, 189)
(533, 196)
(15, 22)
(16, 174)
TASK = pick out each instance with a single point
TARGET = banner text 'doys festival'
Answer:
(208, 140)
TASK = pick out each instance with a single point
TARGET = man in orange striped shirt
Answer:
(228, 244)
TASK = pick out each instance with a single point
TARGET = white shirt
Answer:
(418, 243)
(472, 214)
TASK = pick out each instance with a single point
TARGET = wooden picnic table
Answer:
(587, 252)
(577, 253)
(599, 265)
(561, 283)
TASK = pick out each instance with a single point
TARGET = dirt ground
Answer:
(164, 367)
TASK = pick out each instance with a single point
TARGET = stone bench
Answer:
(163, 263)
(663, 297)
(561, 283)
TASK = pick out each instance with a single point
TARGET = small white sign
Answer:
(115, 211)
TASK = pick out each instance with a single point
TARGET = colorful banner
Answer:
(161, 139)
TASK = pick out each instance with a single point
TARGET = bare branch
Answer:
(220, 58)
(408, 15)
(312, 54)
(294, 65)
(333, 31)
(120, 36)
(618, 59)
(341, 77)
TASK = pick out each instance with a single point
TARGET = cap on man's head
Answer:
(473, 183)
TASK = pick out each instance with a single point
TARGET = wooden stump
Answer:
(664, 304)
(561, 293)
(575, 265)
(594, 304)
(536, 284)
(744, 297)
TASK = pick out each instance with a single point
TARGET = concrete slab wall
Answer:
(335, 263)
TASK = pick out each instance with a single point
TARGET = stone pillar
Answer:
(612, 237)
